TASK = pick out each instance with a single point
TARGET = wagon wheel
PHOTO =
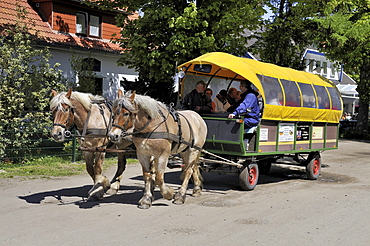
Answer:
(313, 167)
(264, 166)
(248, 178)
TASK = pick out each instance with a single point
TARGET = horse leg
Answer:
(166, 191)
(101, 183)
(191, 169)
(89, 159)
(198, 180)
(116, 181)
(146, 201)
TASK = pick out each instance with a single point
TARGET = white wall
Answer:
(317, 63)
(111, 73)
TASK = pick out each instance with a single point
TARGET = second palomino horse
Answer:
(157, 134)
(91, 116)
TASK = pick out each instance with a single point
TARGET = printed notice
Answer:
(286, 132)
(317, 132)
(264, 133)
(303, 133)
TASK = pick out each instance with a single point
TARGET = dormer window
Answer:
(87, 24)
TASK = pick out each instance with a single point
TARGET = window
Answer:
(309, 99)
(81, 23)
(333, 70)
(335, 99)
(311, 65)
(292, 96)
(94, 26)
(272, 89)
(317, 67)
(322, 96)
(325, 68)
(88, 25)
(92, 64)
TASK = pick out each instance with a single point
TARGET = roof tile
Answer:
(8, 16)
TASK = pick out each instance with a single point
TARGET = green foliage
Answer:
(345, 37)
(26, 79)
(82, 68)
(171, 32)
(289, 31)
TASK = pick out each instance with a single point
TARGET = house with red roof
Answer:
(72, 27)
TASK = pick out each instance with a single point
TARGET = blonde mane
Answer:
(147, 104)
(84, 98)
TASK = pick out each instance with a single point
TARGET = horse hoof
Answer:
(179, 199)
(168, 194)
(145, 202)
(197, 192)
(144, 206)
(112, 192)
(96, 194)
(114, 187)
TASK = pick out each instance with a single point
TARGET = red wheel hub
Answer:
(252, 176)
(316, 167)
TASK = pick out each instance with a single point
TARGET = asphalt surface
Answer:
(284, 209)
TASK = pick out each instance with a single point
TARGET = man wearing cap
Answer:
(196, 100)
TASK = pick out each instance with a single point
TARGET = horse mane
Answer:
(84, 98)
(147, 104)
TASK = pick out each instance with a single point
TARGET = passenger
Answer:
(196, 99)
(220, 103)
(232, 94)
(249, 105)
(291, 100)
(239, 98)
(249, 108)
(208, 93)
(273, 98)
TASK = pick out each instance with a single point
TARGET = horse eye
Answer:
(126, 114)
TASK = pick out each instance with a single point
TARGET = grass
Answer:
(48, 167)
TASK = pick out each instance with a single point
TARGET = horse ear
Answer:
(69, 93)
(119, 93)
(132, 97)
(54, 93)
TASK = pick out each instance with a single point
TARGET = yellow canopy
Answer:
(265, 76)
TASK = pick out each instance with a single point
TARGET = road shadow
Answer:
(131, 194)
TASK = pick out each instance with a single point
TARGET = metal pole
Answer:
(74, 146)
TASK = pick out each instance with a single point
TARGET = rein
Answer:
(162, 135)
(89, 132)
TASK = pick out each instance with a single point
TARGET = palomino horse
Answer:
(91, 116)
(157, 134)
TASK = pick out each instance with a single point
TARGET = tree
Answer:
(171, 32)
(26, 80)
(345, 37)
(84, 74)
(288, 32)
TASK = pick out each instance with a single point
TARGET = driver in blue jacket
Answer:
(248, 107)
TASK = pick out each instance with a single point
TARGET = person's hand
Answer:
(197, 108)
(231, 116)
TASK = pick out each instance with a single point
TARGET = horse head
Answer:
(63, 115)
(124, 113)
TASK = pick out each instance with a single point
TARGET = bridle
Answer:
(65, 126)
(124, 132)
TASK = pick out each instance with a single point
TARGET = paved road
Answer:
(284, 209)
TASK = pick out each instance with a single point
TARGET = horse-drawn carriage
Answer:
(300, 116)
